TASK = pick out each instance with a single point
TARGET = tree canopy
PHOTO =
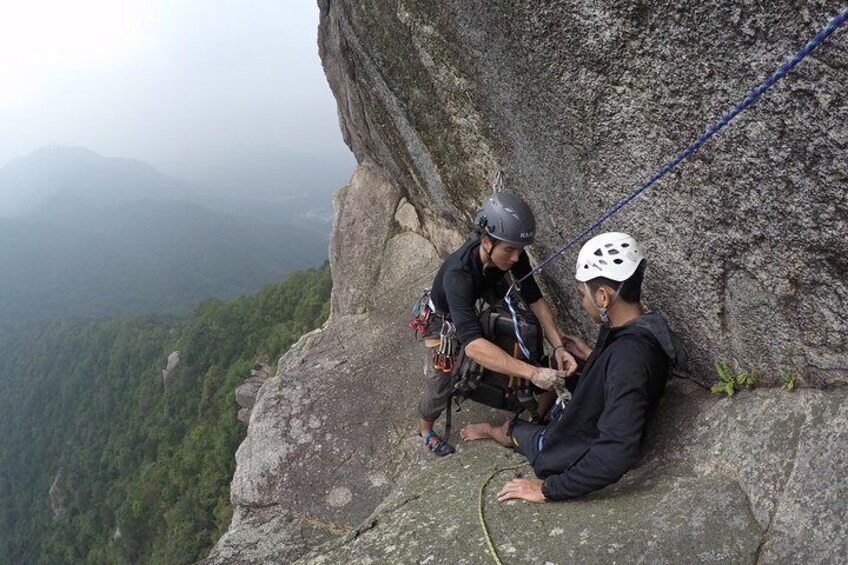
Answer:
(143, 471)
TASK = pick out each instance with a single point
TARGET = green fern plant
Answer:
(788, 378)
(729, 381)
(726, 379)
(748, 380)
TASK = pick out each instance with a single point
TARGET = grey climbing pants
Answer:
(437, 389)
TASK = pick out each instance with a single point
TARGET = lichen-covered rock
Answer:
(813, 508)
(713, 487)
(269, 535)
(579, 101)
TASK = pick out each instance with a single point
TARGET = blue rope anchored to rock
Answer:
(752, 96)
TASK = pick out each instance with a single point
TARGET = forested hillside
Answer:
(143, 470)
(140, 258)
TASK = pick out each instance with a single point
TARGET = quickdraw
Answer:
(421, 313)
(445, 354)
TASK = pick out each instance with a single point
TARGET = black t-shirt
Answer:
(461, 281)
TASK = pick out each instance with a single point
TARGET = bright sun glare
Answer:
(41, 40)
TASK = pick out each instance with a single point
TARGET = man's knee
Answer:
(524, 436)
(432, 404)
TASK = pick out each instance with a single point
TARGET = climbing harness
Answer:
(749, 99)
(471, 381)
(497, 390)
(424, 320)
(480, 515)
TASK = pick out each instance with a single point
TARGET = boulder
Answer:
(246, 392)
(407, 217)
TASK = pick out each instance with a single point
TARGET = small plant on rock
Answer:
(750, 379)
(726, 380)
(730, 381)
(788, 378)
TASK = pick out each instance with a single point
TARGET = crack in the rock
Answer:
(326, 525)
(784, 488)
(252, 506)
(369, 524)
(374, 519)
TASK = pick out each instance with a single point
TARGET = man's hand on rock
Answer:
(547, 378)
(526, 489)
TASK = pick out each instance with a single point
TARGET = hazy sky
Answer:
(201, 89)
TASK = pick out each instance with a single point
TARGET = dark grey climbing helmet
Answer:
(506, 217)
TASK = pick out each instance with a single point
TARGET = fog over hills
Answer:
(75, 173)
(296, 189)
(86, 235)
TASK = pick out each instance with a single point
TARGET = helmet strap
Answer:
(603, 312)
(489, 251)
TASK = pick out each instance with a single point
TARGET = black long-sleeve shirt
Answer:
(596, 438)
(462, 280)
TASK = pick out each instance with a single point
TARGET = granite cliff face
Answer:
(575, 102)
(578, 102)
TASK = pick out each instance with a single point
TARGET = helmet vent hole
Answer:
(617, 261)
(608, 245)
(599, 253)
(602, 262)
(613, 251)
(625, 245)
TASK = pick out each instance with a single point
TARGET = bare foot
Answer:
(485, 430)
(473, 432)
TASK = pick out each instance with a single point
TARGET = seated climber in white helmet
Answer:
(595, 438)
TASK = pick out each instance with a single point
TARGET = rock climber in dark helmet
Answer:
(595, 438)
(505, 225)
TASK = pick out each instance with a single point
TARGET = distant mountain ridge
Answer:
(96, 236)
(61, 172)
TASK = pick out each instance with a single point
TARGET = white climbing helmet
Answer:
(612, 255)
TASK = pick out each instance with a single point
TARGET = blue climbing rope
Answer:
(752, 96)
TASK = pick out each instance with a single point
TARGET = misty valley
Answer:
(107, 269)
